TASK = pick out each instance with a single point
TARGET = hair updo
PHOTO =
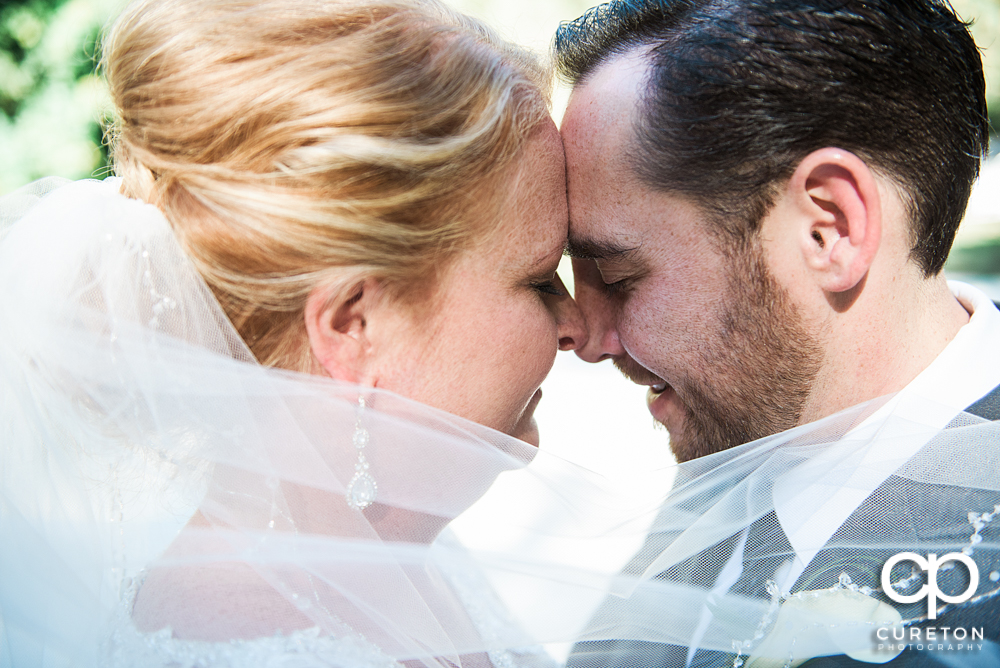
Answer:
(294, 144)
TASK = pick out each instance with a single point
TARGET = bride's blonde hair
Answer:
(302, 143)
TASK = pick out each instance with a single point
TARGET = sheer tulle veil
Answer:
(156, 484)
(130, 403)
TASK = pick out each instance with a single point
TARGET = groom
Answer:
(762, 196)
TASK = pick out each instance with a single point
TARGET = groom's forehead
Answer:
(601, 112)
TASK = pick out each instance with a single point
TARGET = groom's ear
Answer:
(337, 328)
(837, 217)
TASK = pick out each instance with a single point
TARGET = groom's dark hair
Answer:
(739, 91)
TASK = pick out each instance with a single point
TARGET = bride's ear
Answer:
(337, 327)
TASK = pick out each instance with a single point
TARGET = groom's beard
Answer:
(754, 377)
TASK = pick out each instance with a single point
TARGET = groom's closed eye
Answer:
(592, 249)
(611, 259)
(618, 287)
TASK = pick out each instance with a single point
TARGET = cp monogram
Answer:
(930, 590)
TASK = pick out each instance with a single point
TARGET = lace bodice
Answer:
(312, 648)
(302, 649)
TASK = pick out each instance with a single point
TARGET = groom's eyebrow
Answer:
(591, 249)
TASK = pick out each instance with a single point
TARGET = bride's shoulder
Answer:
(212, 601)
(220, 619)
(131, 648)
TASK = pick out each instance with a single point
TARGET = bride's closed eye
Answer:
(550, 287)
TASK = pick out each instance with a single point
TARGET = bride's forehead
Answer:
(529, 226)
(536, 204)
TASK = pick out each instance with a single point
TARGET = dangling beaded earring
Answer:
(362, 489)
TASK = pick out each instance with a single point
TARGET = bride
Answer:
(252, 378)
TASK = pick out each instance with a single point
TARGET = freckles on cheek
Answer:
(641, 334)
(630, 324)
(546, 347)
(533, 346)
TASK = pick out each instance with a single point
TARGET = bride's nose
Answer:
(571, 326)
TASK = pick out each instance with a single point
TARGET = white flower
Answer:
(827, 622)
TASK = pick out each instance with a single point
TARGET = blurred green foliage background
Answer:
(52, 100)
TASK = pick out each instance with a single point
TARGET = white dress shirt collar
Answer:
(813, 501)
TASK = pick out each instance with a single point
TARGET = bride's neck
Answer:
(320, 512)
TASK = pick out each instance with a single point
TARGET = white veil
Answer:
(129, 403)
(164, 500)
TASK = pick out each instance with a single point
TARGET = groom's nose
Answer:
(599, 313)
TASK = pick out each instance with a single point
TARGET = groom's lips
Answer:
(661, 399)
(636, 373)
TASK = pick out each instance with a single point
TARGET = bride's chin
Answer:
(527, 428)
(529, 432)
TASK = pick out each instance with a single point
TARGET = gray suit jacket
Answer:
(893, 514)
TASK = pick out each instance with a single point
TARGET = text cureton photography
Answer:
(944, 638)
(897, 638)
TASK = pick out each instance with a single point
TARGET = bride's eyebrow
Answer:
(547, 258)
(591, 249)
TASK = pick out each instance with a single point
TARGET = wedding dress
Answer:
(141, 442)
(166, 501)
